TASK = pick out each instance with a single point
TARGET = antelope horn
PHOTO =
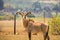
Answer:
(28, 13)
(19, 12)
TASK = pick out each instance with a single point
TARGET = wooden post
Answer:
(44, 16)
(14, 24)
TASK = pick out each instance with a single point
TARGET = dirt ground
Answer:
(7, 28)
(24, 36)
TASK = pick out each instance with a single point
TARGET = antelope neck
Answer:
(25, 22)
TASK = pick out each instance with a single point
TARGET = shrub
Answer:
(7, 17)
(31, 15)
(55, 25)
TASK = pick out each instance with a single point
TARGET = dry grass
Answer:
(25, 37)
(7, 28)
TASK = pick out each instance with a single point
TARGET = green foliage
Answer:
(1, 17)
(31, 15)
(55, 25)
(6, 17)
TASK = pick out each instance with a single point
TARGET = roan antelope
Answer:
(30, 26)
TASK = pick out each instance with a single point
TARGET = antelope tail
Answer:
(48, 29)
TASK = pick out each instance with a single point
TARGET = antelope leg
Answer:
(29, 35)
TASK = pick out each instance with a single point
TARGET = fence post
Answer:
(14, 24)
(44, 17)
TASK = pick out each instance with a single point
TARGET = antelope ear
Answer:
(28, 13)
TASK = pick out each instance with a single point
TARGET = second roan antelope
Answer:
(30, 26)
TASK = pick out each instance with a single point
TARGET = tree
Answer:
(1, 4)
(59, 6)
(56, 9)
(36, 6)
(47, 11)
